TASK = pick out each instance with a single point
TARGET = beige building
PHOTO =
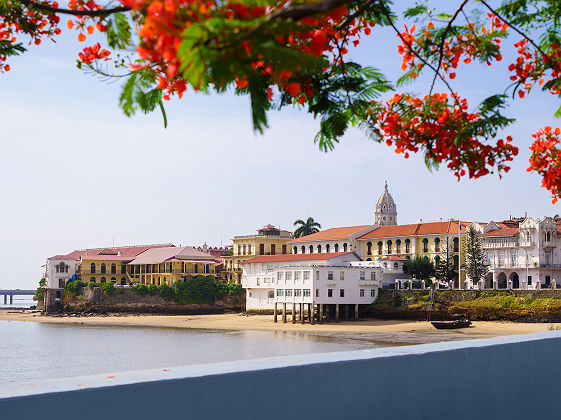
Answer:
(269, 240)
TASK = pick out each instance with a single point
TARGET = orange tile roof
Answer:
(294, 257)
(504, 230)
(418, 229)
(331, 234)
(393, 258)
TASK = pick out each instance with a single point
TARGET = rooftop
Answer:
(331, 234)
(294, 257)
(417, 229)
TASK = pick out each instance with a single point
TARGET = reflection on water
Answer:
(39, 351)
(18, 302)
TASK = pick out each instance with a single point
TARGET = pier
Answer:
(15, 292)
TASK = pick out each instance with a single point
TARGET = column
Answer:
(320, 313)
(275, 312)
(11, 299)
(337, 312)
(327, 312)
(5, 299)
(302, 317)
(294, 312)
(311, 310)
(356, 311)
(495, 281)
(553, 284)
(347, 311)
(284, 312)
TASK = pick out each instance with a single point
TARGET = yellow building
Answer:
(268, 241)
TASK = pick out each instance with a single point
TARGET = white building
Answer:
(328, 278)
(59, 269)
(522, 253)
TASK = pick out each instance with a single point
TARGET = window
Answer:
(311, 249)
(288, 276)
(113, 280)
(249, 249)
(294, 250)
(317, 275)
(437, 245)
(369, 248)
(456, 245)
(306, 275)
(319, 249)
(501, 255)
(279, 276)
(61, 283)
(296, 275)
(244, 249)
(262, 249)
(271, 295)
(362, 275)
(103, 280)
(527, 236)
(380, 248)
(425, 245)
(327, 248)
(395, 266)
(407, 247)
(297, 292)
(123, 269)
(92, 268)
(344, 247)
(288, 292)
(529, 280)
(329, 275)
(239, 250)
(372, 275)
(303, 249)
(336, 247)
(373, 293)
(103, 268)
(317, 292)
(341, 275)
(513, 257)
(398, 247)
(273, 249)
(280, 292)
(361, 293)
(389, 243)
(306, 292)
(92, 279)
(258, 281)
(341, 292)
(123, 281)
(113, 268)
(284, 249)
(329, 292)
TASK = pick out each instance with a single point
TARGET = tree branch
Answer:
(46, 8)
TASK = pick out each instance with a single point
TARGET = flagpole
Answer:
(459, 254)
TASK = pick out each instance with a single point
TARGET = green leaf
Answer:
(118, 31)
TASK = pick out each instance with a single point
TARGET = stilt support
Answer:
(275, 311)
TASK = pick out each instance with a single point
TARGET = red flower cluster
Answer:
(530, 67)
(440, 127)
(82, 23)
(95, 52)
(32, 23)
(546, 159)
(468, 45)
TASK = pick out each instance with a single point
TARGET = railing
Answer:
(353, 378)
(488, 245)
(264, 236)
(547, 265)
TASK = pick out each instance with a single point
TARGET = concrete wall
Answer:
(511, 378)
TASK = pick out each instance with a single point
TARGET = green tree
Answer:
(420, 267)
(306, 227)
(476, 267)
(445, 269)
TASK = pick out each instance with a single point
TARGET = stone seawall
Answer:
(125, 300)
(508, 305)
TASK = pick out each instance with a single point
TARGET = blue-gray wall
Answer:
(515, 377)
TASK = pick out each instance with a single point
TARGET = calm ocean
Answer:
(32, 351)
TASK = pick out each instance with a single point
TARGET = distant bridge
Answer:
(15, 292)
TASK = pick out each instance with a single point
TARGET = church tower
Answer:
(386, 210)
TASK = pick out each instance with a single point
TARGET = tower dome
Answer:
(386, 210)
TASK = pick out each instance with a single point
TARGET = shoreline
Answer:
(384, 332)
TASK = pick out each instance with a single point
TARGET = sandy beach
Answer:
(380, 331)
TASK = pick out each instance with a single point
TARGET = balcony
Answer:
(494, 245)
(549, 265)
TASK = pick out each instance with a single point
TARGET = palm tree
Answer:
(306, 228)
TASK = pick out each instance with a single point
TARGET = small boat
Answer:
(451, 325)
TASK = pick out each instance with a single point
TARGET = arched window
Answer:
(103, 268)
(113, 268)
(436, 244)
(319, 249)
(103, 280)
(113, 280)
(425, 245)
(92, 279)
(311, 249)
(123, 281)
(398, 246)
(380, 245)
(92, 268)
(336, 247)
(395, 266)
(456, 244)
(389, 246)
(327, 248)
(369, 259)
(344, 247)
(303, 249)
(369, 248)
(407, 246)
(295, 249)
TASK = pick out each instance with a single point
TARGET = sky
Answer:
(75, 172)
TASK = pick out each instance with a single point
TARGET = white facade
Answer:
(526, 255)
(333, 280)
(58, 271)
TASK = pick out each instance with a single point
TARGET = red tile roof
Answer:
(331, 234)
(504, 230)
(125, 251)
(393, 258)
(418, 229)
(294, 257)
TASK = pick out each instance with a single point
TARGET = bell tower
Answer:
(386, 210)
